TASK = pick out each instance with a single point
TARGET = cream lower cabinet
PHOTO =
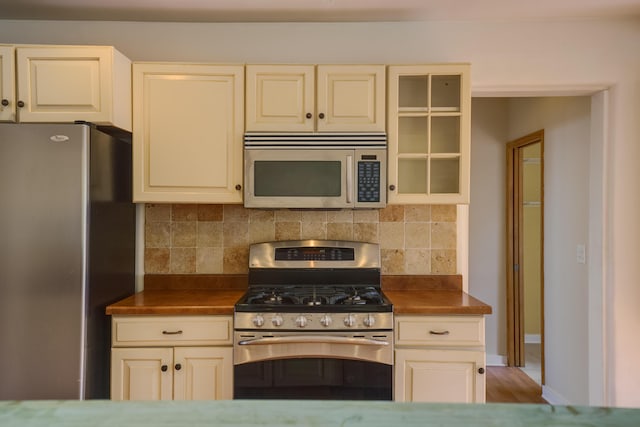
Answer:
(187, 133)
(172, 358)
(63, 84)
(440, 359)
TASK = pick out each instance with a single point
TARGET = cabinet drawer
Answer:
(439, 331)
(144, 330)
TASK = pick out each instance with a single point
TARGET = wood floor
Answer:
(511, 385)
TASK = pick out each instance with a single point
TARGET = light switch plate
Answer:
(581, 254)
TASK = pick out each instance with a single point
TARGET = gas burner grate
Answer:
(315, 295)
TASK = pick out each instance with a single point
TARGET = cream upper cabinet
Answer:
(171, 358)
(439, 359)
(187, 132)
(306, 98)
(63, 84)
(280, 97)
(429, 132)
(7, 84)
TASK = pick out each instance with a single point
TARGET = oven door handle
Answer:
(312, 339)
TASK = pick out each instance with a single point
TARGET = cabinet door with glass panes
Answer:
(429, 134)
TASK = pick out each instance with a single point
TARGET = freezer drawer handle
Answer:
(171, 332)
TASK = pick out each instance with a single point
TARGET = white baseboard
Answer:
(496, 360)
(553, 397)
(532, 339)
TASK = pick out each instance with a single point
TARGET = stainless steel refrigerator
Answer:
(67, 250)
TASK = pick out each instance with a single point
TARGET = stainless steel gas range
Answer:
(314, 323)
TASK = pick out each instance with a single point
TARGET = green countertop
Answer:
(247, 413)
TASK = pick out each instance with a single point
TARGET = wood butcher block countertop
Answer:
(217, 294)
(435, 294)
(184, 294)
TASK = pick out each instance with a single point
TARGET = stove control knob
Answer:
(258, 320)
(325, 320)
(277, 320)
(350, 321)
(301, 321)
(369, 321)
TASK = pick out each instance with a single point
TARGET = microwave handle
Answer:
(349, 179)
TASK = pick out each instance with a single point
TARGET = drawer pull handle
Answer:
(171, 332)
(439, 332)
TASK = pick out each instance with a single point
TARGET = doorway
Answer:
(525, 278)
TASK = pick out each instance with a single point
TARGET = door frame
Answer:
(600, 273)
(515, 249)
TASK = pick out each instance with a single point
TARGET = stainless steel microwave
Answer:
(315, 170)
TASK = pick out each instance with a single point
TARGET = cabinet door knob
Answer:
(20, 104)
(164, 368)
(238, 187)
(309, 115)
(178, 366)
(5, 102)
(481, 370)
(321, 115)
(392, 187)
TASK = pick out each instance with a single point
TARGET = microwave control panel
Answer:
(368, 181)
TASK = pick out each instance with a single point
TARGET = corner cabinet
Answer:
(171, 358)
(323, 98)
(440, 359)
(63, 84)
(429, 132)
(187, 132)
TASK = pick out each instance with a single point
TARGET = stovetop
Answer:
(335, 298)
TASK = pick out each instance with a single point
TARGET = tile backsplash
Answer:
(215, 239)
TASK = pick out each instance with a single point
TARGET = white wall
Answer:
(566, 122)
(487, 218)
(505, 57)
(567, 125)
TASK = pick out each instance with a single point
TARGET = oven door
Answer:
(313, 366)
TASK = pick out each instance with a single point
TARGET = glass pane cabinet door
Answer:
(412, 176)
(445, 92)
(445, 134)
(414, 92)
(413, 135)
(429, 128)
(445, 175)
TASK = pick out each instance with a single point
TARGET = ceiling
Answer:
(315, 10)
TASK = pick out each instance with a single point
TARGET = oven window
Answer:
(297, 178)
(322, 379)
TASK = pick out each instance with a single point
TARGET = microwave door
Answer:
(305, 178)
